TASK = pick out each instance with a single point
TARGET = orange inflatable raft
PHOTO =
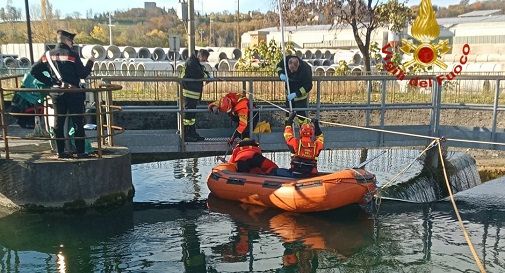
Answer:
(319, 193)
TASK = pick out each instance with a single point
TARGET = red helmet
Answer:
(307, 130)
(226, 103)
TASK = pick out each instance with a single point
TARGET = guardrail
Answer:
(373, 92)
(367, 93)
(101, 94)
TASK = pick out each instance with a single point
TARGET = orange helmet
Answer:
(307, 130)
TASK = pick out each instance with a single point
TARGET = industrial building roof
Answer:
(475, 13)
(441, 21)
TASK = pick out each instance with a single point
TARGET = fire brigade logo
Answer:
(425, 30)
(424, 52)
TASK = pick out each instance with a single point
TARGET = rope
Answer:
(460, 221)
(284, 54)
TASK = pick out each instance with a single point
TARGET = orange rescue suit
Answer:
(248, 158)
(237, 108)
(304, 152)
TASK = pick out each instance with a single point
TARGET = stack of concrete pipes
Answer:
(326, 61)
(143, 61)
(13, 62)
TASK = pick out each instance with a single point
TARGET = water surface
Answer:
(174, 227)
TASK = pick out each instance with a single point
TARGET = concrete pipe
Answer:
(299, 53)
(103, 68)
(114, 68)
(210, 66)
(330, 71)
(184, 54)
(318, 54)
(128, 52)
(124, 69)
(179, 66)
(95, 52)
(319, 70)
(136, 60)
(317, 62)
(307, 54)
(237, 53)
(113, 52)
(24, 62)
(327, 54)
(327, 62)
(311, 62)
(226, 65)
(1, 63)
(216, 56)
(357, 70)
(154, 69)
(171, 55)
(132, 69)
(10, 62)
(96, 68)
(158, 54)
(349, 56)
(143, 52)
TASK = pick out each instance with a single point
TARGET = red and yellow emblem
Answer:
(425, 29)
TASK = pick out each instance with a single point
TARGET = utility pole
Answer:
(110, 28)
(238, 24)
(29, 30)
(191, 27)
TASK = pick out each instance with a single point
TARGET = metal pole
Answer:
(191, 27)
(238, 23)
(2, 123)
(318, 102)
(29, 31)
(380, 140)
(251, 110)
(99, 128)
(110, 29)
(495, 110)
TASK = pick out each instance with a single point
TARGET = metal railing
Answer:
(104, 113)
(368, 93)
(372, 95)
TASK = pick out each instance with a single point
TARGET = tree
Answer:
(263, 57)
(363, 16)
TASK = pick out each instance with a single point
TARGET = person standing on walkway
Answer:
(299, 79)
(192, 92)
(66, 70)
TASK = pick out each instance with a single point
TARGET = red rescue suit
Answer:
(248, 158)
(237, 107)
(304, 151)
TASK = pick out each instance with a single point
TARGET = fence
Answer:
(104, 118)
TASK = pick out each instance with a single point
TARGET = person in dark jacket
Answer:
(299, 78)
(192, 92)
(71, 69)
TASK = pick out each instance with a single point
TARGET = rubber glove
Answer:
(283, 77)
(292, 116)
(291, 96)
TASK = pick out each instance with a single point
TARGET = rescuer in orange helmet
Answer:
(304, 150)
(248, 158)
(237, 107)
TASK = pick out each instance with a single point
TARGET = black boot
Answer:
(195, 134)
(188, 134)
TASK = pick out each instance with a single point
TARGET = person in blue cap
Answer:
(66, 70)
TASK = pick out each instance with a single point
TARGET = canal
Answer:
(174, 226)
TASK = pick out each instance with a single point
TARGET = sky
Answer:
(67, 7)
